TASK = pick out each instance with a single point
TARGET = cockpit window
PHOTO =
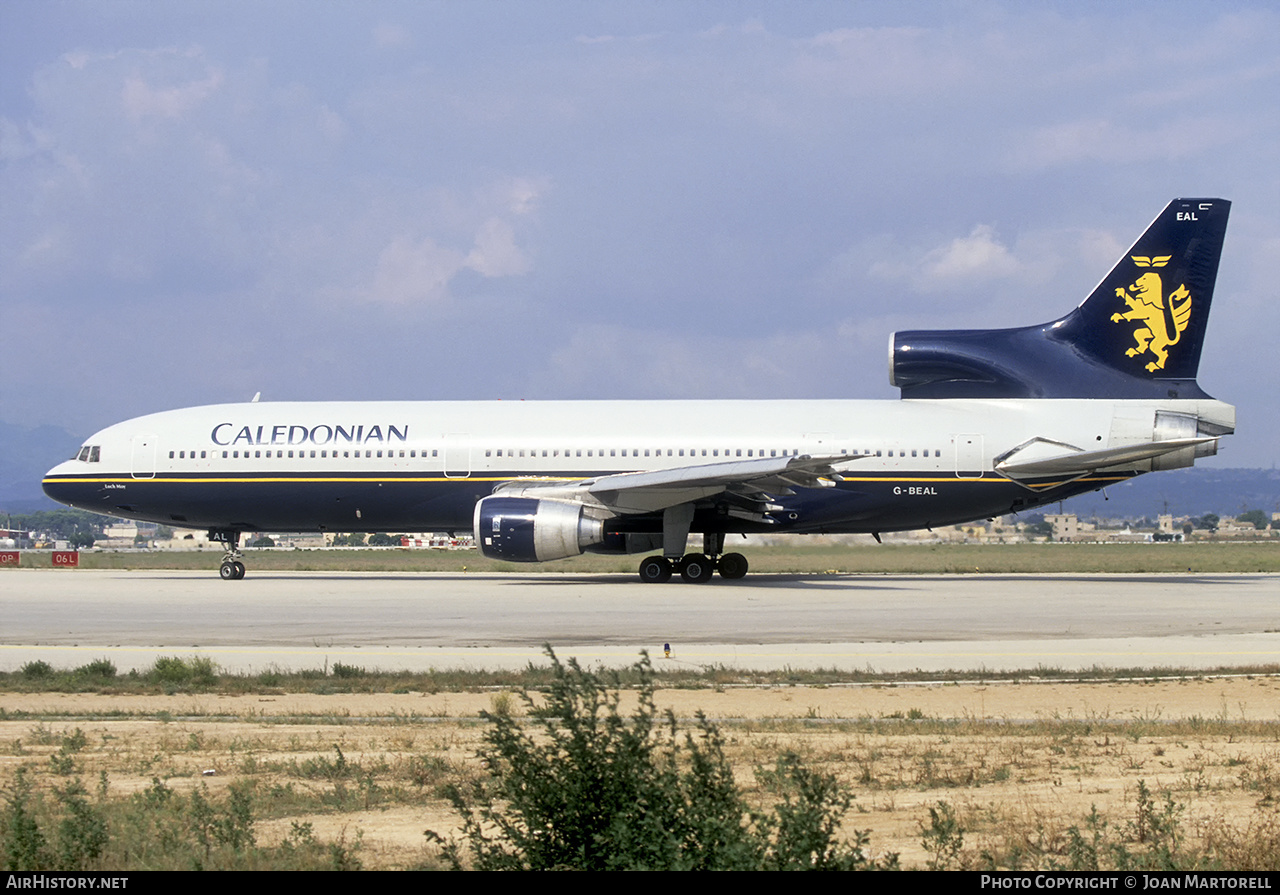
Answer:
(83, 456)
(93, 453)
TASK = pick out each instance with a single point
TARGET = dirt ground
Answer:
(1012, 760)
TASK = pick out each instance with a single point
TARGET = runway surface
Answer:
(886, 622)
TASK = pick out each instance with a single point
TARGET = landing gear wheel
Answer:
(733, 566)
(655, 570)
(231, 569)
(696, 568)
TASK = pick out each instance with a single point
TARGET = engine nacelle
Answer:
(525, 529)
(1170, 424)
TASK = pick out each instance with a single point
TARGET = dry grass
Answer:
(1015, 775)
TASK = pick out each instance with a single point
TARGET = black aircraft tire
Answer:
(655, 570)
(228, 571)
(733, 566)
(696, 568)
(239, 570)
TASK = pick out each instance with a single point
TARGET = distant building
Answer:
(11, 538)
(438, 541)
(1234, 528)
(1066, 526)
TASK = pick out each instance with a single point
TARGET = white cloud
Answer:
(143, 99)
(860, 42)
(20, 141)
(495, 253)
(420, 269)
(885, 62)
(978, 256)
(1116, 141)
(523, 194)
(1039, 276)
(413, 272)
(1098, 250)
(602, 360)
(966, 260)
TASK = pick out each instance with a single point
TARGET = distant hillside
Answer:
(25, 456)
(1185, 492)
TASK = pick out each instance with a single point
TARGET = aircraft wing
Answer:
(644, 492)
(806, 472)
(1038, 459)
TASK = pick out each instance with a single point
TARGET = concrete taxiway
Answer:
(410, 620)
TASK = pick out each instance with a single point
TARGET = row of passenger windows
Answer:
(696, 452)
(324, 454)
(91, 454)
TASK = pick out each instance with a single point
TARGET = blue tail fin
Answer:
(1138, 335)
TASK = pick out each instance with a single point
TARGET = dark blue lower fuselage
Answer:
(892, 501)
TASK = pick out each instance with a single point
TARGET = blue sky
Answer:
(602, 200)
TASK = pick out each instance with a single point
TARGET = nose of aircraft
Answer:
(56, 485)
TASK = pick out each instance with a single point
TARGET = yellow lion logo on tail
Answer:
(1166, 317)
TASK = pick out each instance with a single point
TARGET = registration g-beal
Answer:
(990, 421)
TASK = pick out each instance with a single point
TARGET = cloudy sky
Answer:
(370, 200)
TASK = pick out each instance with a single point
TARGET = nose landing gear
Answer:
(232, 569)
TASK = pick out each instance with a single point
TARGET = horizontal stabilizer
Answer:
(1080, 463)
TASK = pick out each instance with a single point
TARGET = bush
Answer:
(103, 668)
(347, 671)
(22, 844)
(82, 832)
(592, 790)
(37, 670)
(198, 670)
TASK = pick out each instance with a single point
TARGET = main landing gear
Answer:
(232, 569)
(695, 568)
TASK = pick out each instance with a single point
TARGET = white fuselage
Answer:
(233, 455)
